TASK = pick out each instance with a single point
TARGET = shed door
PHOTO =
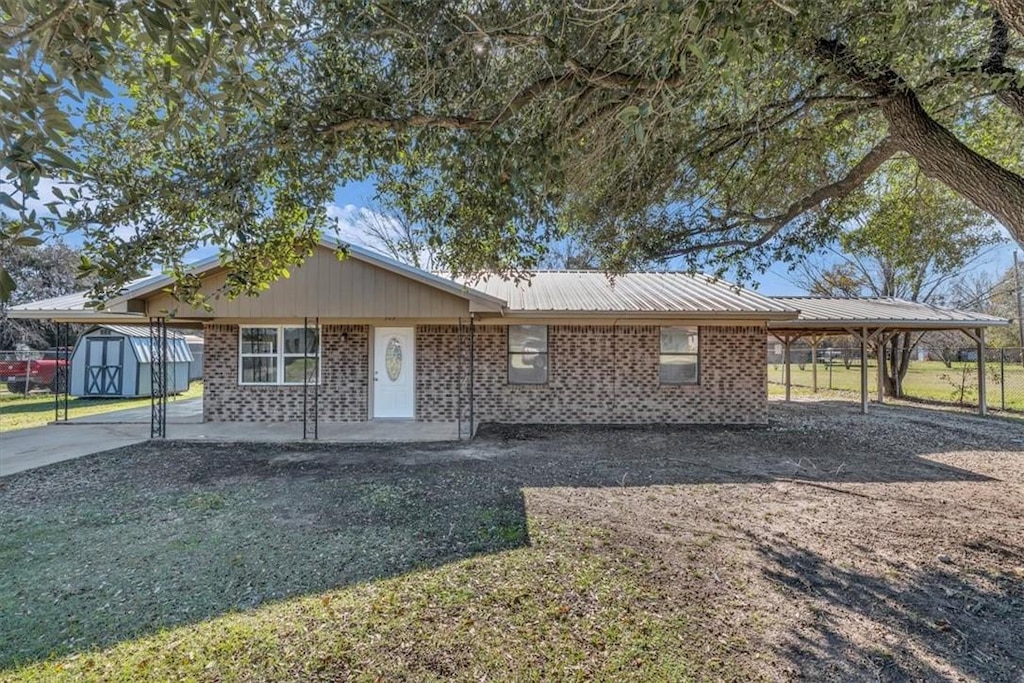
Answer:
(393, 375)
(103, 366)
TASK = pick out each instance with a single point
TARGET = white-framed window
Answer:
(527, 354)
(274, 354)
(679, 362)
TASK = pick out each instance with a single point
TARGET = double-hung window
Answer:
(527, 354)
(280, 354)
(679, 362)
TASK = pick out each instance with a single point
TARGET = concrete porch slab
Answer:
(330, 432)
(179, 411)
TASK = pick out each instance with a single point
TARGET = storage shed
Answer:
(115, 361)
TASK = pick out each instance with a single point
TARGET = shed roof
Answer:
(647, 292)
(139, 340)
(836, 313)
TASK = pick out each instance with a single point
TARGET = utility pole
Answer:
(1020, 303)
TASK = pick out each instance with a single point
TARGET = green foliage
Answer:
(911, 238)
(715, 133)
(41, 272)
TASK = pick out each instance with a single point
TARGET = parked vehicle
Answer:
(39, 372)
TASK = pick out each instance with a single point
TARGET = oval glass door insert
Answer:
(393, 358)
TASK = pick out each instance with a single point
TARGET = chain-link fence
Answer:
(946, 375)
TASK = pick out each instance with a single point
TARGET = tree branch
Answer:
(839, 189)
(940, 154)
(1012, 95)
(1012, 12)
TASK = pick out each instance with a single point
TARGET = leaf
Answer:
(628, 113)
(8, 201)
(7, 285)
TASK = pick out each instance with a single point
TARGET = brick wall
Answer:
(600, 374)
(343, 391)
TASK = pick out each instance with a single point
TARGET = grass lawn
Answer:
(36, 409)
(928, 380)
(827, 546)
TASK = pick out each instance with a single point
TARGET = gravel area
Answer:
(828, 545)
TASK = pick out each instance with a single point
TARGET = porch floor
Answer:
(375, 431)
(185, 423)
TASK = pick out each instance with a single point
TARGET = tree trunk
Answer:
(940, 154)
(1012, 12)
(897, 362)
(942, 157)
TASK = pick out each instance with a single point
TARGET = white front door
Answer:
(394, 361)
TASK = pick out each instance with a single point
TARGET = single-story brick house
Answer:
(385, 340)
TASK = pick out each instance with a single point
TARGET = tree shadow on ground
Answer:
(903, 622)
(120, 544)
(124, 543)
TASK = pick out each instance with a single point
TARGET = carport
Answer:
(65, 311)
(875, 321)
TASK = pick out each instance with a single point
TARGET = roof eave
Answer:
(700, 315)
(934, 325)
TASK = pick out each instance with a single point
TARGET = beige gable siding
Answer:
(329, 288)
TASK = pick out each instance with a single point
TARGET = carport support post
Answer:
(814, 363)
(787, 343)
(158, 378)
(982, 394)
(880, 365)
(864, 371)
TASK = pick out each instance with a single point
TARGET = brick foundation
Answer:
(597, 374)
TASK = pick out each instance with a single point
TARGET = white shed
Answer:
(116, 361)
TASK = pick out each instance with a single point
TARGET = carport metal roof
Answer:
(874, 321)
(824, 314)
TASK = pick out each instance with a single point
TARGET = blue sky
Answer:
(778, 281)
(352, 197)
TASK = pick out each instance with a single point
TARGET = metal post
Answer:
(56, 378)
(1020, 304)
(163, 377)
(305, 377)
(786, 346)
(982, 394)
(472, 375)
(67, 367)
(814, 364)
(316, 384)
(864, 371)
(158, 378)
(458, 384)
(879, 365)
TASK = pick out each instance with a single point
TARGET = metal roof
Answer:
(73, 308)
(177, 350)
(68, 302)
(140, 331)
(651, 292)
(138, 338)
(840, 313)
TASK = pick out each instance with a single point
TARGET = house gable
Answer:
(353, 288)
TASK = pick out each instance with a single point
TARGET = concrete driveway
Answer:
(24, 449)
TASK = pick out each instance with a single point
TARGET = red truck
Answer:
(22, 376)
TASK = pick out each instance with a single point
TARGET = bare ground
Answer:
(829, 545)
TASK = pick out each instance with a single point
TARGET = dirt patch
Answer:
(828, 545)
